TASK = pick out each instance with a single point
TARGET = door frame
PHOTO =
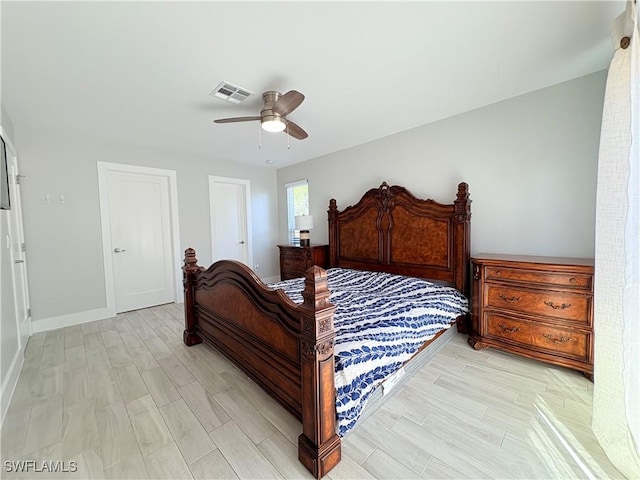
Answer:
(247, 212)
(103, 169)
(25, 329)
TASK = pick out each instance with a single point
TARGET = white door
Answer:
(18, 255)
(141, 240)
(230, 219)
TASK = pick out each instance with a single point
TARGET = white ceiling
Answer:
(141, 73)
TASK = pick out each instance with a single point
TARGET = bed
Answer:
(288, 348)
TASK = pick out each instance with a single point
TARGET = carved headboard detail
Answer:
(391, 230)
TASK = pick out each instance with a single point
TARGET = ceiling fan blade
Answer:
(236, 119)
(288, 103)
(295, 131)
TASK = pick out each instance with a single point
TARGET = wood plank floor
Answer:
(125, 398)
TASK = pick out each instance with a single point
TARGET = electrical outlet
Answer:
(257, 266)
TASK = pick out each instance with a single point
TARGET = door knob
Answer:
(118, 250)
(241, 242)
(19, 261)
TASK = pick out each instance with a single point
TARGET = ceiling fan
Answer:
(274, 112)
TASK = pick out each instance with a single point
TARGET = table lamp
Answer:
(304, 223)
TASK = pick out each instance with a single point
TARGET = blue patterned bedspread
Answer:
(381, 320)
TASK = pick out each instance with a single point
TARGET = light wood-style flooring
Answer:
(125, 398)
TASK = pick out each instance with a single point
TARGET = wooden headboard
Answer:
(390, 230)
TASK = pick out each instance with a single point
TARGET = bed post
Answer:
(318, 446)
(190, 271)
(333, 233)
(462, 206)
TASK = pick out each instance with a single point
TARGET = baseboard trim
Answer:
(52, 323)
(9, 384)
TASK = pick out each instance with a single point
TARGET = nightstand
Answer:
(538, 307)
(295, 260)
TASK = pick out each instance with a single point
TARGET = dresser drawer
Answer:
(560, 305)
(292, 262)
(294, 252)
(568, 342)
(572, 280)
(296, 260)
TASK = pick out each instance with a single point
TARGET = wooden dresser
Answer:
(295, 260)
(539, 307)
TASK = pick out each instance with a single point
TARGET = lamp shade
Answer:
(304, 222)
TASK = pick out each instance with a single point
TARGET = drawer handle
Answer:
(557, 307)
(572, 280)
(560, 340)
(509, 329)
(509, 299)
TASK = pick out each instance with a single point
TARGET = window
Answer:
(297, 204)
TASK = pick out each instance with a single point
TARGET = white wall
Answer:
(530, 163)
(7, 124)
(64, 240)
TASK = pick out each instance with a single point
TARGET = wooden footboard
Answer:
(285, 348)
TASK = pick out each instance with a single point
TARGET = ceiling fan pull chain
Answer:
(259, 136)
(288, 138)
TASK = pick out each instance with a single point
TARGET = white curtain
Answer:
(616, 393)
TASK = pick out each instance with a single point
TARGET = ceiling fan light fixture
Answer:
(275, 124)
(274, 112)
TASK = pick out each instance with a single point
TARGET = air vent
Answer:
(230, 92)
